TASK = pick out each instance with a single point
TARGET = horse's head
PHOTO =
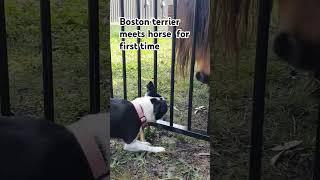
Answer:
(298, 41)
(184, 47)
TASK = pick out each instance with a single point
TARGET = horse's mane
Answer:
(231, 22)
(185, 12)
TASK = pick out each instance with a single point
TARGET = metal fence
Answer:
(167, 124)
(147, 9)
(94, 74)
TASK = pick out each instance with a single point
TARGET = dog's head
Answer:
(159, 103)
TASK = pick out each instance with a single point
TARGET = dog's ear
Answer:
(151, 90)
(151, 87)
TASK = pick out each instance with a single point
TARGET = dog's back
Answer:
(38, 149)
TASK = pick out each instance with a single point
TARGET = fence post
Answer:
(316, 168)
(138, 3)
(94, 71)
(259, 89)
(193, 59)
(155, 52)
(47, 59)
(4, 72)
(173, 62)
(124, 69)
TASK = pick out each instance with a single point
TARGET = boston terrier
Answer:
(129, 117)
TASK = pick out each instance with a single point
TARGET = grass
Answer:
(70, 58)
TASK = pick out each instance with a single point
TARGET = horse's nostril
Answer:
(202, 77)
(281, 46)
(198, 76)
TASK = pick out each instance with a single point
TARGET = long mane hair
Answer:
(185, 12)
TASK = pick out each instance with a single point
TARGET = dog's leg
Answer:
(142, 137)
(137, 146)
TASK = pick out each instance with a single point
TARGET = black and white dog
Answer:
(129, 117)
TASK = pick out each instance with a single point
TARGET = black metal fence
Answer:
(189, 131)
(93, 17)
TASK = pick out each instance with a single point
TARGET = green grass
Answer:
(70, 58)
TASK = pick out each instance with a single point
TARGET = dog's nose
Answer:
(202, 77)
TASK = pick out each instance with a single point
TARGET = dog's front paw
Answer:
(158, 149)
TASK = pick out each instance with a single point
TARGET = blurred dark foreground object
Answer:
(33, 149)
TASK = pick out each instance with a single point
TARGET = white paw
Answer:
(157, 149)
(137, 146)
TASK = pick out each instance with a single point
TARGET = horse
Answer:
(297, 38)
(297, 41)
(185, 12)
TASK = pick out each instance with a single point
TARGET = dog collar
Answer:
(93, 153)
(140, 112)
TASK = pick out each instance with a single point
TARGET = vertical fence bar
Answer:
(259, 89)
(47, 59)
(316, 168)
(155, 53)
(124, 69)
(139, 51)
(94, 71)
(173, 62)
(193, 59)
(4, 70)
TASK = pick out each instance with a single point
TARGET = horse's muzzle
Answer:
(298, 53)
(202, 77)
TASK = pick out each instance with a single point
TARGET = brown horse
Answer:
(185, 12)
(298, 38)
(297, 42)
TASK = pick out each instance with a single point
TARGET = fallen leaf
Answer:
(286, 146)
(203, 154)
(275, 158)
